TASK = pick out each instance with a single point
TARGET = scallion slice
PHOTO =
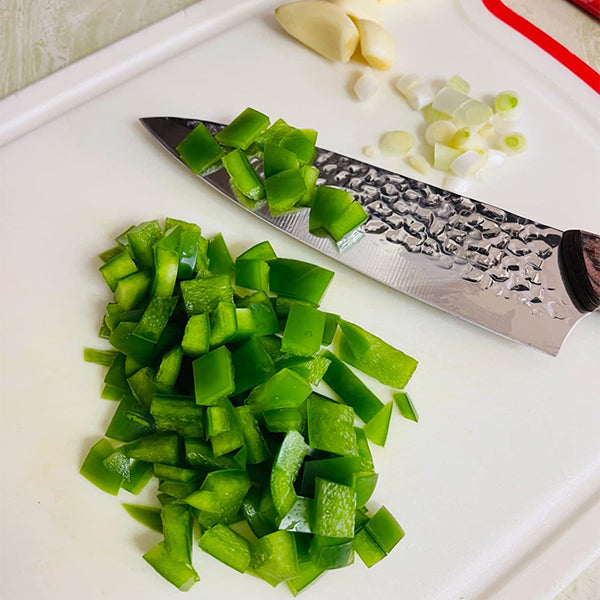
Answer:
(513, 143)
(507, 104)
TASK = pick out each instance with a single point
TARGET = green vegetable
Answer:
(243, 175)
(219, 257)
(405, 406)
(285, 470)
(350, 388)
(93, 468)
(303, 331)
(334, 509)
(199, 150)
(384, 529)
(373, 356)
(377, 428)
(244, 129)
(277, 159)
(298, 280)
(215, 399)
(284, 190)
(331, 427)
(227, 546)
(213, 376)
(181, 575)
(146, 515)
(274, 557)
(196, 335)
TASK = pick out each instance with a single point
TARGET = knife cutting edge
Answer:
(506, 273)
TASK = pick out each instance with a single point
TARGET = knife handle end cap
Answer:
(580, 256)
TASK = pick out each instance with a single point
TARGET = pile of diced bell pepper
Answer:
(215, 367)
(290, 178)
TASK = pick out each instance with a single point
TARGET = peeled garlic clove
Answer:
(360, 9)
(322, 26)
(376, 44)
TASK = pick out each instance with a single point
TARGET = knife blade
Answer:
(508, 274)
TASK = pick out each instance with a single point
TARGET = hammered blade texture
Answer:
(484, 245)
(471, 259)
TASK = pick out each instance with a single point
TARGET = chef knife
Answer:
(511, 275)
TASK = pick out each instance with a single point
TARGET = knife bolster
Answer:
(580, 258)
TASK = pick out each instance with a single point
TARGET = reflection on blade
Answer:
(481, 263)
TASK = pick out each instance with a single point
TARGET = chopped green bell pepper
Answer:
(284, 190)
(223, 323)
(199, 150)
(131, 289)
(204, 294)
(140, 473)
(219, 257)
(274, 557)
(285, 470)
(334, 509)
(227, 546)
(327, 205)
(160, 447)
(100, 357)
(339, 470)
(141, 240)
(213, 376)
(177, 529)
(308, 572)
(298, 280)
(384, 529)
(405, 406)
(196, 335)
(310, 175)
(168, 370)
(350, 388)
(141, 384)
(166, 264)
(198, 454)
(181, 575)
(94, 470)
(274, 134)
(299, 517)
(243, 175)
(155, 319)
(303, 330)
(367, 548)
(277, 159)
(252, 365)
(331, 325)
(222, 493)
(331, 553)
(373, 356)
(377, 428)
(302, 143)
(331, 427)
(146, 515)
(253, 438)
(284, 389)
(263, 313)
(117, 267)
(244, 129)
(130, 421)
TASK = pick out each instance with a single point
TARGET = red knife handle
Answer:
(580, 256)
(593, 6)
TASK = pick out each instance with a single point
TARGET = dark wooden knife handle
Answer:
(580, 256)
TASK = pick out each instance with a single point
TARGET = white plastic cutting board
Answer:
(497, 487)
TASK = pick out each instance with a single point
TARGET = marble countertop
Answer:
(38, 37)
